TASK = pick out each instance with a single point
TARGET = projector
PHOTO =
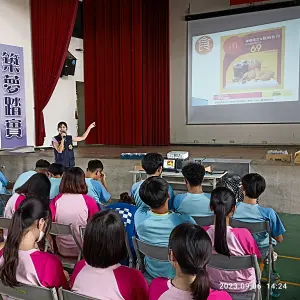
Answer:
(175, 161)
(178, 155)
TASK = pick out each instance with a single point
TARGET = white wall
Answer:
(62, 105)
(15, 29)
(222, 134)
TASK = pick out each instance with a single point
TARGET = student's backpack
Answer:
(234, 183)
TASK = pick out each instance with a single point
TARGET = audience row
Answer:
(159, 218)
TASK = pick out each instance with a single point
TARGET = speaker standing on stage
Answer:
(63, 145)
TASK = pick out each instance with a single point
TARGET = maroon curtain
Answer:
(156, 73)
(52, 23)
(118, 90)
(113, 70)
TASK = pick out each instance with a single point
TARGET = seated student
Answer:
(41, 166)
(3, 184)
(154, 224)
(96, 182)
(230, 241)
(152, 163)
(100, 275)
(190, 250)
(249, 211)
(194, 203)
(38, 186)
(55, 173)
(20, 261)
(127, 211)
(72, 206)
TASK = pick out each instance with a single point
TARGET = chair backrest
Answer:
(82, 232)
(253, 227)
(4, 198)
(28, 292)
(235, 263)
(156, 252)
(4, 223)
(68, 295)
(204, 221)
(62, 229)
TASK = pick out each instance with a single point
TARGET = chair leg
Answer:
(270, 258)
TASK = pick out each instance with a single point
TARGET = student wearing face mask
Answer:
(20, 261)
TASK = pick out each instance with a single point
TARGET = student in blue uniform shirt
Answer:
(41, 166)
(96, 182)
(63, 145)
(250, 211)
(154, 223)
(3, 184)
(194, 203)
(126, 208)
(152, 163)
(55, 172)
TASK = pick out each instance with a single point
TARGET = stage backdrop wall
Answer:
(64, 97)
(209, 134)
(15, 29)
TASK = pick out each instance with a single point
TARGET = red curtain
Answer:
(118, 91)
(52, 23)
(156, 73)
(239, 2)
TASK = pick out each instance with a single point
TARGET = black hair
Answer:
(56, 169)
(254, 185)
(194, 173)
(222, 202)
(151, 162)
(125, 198)
(154, 191)
(37, 186)
(42, 164)
(62, 123)
(104, 240)
(94, 165)
(29, 211)
(192, 249)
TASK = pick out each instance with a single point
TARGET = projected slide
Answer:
(250, 65)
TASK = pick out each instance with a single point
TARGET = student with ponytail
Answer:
(190, 250)
(230, 242)
(20, 261)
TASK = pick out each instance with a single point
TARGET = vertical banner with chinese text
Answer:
(12, 97)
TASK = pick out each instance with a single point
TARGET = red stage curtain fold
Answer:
(239, 2)
(119, 92)
(52, 23)
(156, 73)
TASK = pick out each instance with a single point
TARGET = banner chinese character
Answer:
(12, 97)
(239, 2)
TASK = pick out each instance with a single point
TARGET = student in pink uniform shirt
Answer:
(20, 261)
(72, 206)
(190, 250)
(37, 186)
(230, 241)
(100, 275)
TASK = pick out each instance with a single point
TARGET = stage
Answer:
(283, 188)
